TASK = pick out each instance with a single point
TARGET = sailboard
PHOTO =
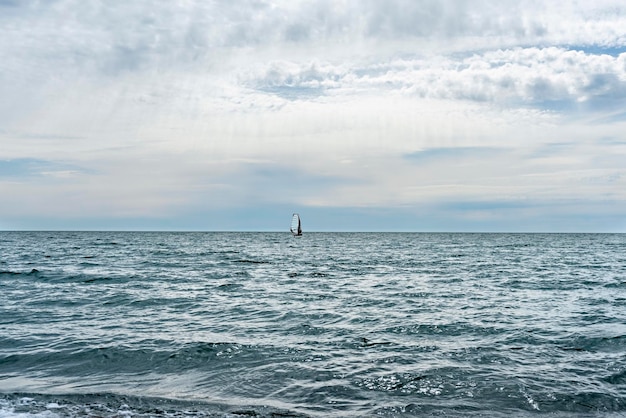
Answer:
(296, 225)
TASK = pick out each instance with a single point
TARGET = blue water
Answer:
(121, 324)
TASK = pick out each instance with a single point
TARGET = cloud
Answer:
(141, 109)
(112, 38)
(453, 153)
(522, 76)
(25, 169)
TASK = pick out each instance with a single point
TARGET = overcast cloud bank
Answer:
(426, 115)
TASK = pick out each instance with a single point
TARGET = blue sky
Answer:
(364, 115)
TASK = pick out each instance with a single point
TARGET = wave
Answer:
(64, 277)
(69, 358)
(306, 383)
(613, 344)
(251, 261)
(18, 274)
(113, 405)
(333, 325)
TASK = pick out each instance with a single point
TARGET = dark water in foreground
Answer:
(329, 324)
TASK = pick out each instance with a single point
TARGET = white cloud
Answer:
(516, 77)
(167, 106)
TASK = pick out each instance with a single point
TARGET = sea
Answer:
(264, 324)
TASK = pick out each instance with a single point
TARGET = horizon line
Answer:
(309, 232)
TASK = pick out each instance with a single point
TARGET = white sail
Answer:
(296, 225)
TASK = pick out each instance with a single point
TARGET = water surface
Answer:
(327, 324)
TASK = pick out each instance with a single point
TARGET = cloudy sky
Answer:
(417, 115)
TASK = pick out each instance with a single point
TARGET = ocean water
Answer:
(141, 324)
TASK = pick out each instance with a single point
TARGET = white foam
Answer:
(7, 409)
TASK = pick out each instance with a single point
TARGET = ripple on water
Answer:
(326, 325)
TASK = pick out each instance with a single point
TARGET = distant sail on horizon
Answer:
(296, 225)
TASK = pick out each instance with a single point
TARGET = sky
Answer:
(368, 115)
